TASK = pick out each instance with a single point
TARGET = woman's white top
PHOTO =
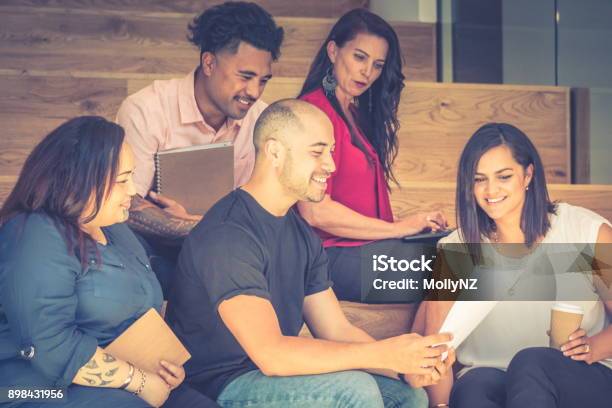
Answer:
(514, 325)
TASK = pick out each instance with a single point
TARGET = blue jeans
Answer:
(536, 377)
(78, 396)
(355, 389)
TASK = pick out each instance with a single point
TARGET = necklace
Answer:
(512, 289)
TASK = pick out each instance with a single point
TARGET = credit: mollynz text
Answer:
(451, 285)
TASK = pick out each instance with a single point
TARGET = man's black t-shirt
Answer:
(239, 248)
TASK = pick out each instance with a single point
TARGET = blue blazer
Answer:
(53, 311)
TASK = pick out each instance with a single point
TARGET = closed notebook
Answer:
(196, 176)
(147, 341)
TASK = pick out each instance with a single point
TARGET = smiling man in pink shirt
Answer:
(217, 102)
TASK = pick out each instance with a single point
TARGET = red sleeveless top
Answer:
(359, 181)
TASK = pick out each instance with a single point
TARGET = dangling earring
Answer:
(527, 188)
(329, 82)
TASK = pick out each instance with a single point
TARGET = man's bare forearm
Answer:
(300, 355)
(279, 355)
(408, 353)
(349, 333)
(149, 219)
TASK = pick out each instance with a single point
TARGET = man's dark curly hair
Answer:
(226, 25)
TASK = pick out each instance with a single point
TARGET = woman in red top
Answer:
(356, 79)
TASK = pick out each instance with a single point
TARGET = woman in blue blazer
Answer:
(73, 277)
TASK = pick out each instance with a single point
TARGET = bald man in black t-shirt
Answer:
(253, 271)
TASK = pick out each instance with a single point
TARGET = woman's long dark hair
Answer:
(380, 125)
(72, 164)
(473, 222)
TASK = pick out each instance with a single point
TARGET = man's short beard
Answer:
(300, 191)
(221, 107)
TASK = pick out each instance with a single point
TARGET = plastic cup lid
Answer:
(568, 307)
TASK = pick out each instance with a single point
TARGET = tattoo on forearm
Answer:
(100, 374)
(100, 382)
(91, 381)
(107, 358)
(138, 204)
(92, 364)
(111, 372)
(150, 219)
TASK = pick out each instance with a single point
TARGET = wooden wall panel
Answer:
(595, 197)
(135, 85)
(19, 136)
(60, 96)
(310, 8)
(419, 50)
(6, 185)
(33, 106)
(81, 40)
(437, 120)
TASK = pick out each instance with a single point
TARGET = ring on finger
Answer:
(587, 348)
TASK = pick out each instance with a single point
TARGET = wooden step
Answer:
(110, 42)
(436, 119)
(423, 196)
(310, 8)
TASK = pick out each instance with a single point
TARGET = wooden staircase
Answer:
(64, 58)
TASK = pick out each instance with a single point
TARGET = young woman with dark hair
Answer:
(73, 277)
(473, 210)
(502, 199)
(356, 79)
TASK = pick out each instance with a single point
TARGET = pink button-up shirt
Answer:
(164, 115)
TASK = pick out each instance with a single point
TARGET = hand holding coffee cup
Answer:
(565, 320)
(579, 347)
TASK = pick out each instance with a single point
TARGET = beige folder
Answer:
(147, 341)
(195, 176)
